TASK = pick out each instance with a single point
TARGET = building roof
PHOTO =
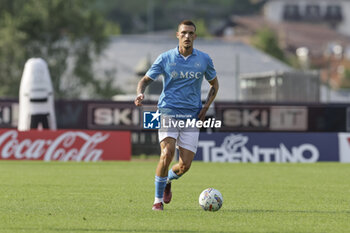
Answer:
(316, 37)
(125, 53)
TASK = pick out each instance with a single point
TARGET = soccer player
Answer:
(183, 69)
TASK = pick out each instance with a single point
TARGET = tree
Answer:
(267, 41)
(68, 34)
(345, 80)
(135, 16)
(201, 29)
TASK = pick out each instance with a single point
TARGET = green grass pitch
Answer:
(117, 197)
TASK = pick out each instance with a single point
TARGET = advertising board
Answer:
(344, 147)
(268, 147)
(65, 145)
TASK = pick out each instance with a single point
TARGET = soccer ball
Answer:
(211, 199)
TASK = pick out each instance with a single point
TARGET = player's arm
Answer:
(141, 87)
(214, 87)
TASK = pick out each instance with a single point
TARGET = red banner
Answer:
(65, 145)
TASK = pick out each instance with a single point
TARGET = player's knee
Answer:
(184, 168)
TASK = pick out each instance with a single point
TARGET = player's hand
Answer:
(138, 100)
(201, 115)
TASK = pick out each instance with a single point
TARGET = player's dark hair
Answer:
(188, 23)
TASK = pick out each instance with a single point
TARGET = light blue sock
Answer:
(172, 175)
(160, 183)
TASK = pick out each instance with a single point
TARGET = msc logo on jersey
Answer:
(188, 74)
(174, 74)
(151, 120)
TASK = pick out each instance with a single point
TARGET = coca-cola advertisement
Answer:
(65, 145)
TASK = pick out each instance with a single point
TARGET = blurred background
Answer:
(99, 49)
(283, 65)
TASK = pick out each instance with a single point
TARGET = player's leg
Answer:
(184, 164)
(185, 161)
(187, 142)
(167, 146)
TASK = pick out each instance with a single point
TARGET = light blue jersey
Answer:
(182, 80)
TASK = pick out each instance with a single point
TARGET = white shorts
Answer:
(185, 137)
